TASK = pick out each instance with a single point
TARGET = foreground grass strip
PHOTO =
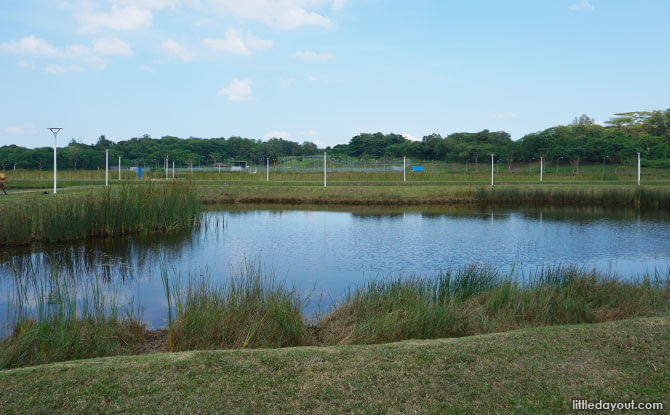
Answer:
(530, 371)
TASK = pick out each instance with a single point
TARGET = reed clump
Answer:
(112, 211)
(639, 197)
(251, 309)
(55, 320)
(479, 300)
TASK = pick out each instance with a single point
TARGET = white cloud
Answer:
(235, 44)
(277, 134)
(14, 130)
(25, 64)
(112, 46)
(60, 69)
(312, 78)
(237, 90)
(119, 18)
(176, 50)
(315, 56)
(282, 14)
(29, 45)
(504, 115)
(582, 5)
(339, 4)
(94, 55)
(146, 68)
(410, 137)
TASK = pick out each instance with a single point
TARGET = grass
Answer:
(537, 370)
(105, 212)
(250, 309)
(50, 320)
(54, 319)
(477, 300)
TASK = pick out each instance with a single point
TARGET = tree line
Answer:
(619, 140)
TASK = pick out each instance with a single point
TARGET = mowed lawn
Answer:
(535, 370)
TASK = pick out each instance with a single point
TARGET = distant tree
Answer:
(583, 120)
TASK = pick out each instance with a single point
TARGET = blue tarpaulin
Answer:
(417, 168)
(139, 173)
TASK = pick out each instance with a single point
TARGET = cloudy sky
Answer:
(323, 70)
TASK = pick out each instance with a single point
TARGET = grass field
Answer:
(535, 370)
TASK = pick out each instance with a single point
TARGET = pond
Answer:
(324, 251)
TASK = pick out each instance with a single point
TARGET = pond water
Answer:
(325, 251)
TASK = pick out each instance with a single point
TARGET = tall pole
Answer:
(166, 166)
(55, 133)
(119, 168)
(541, 167)
(173, 169)
(267, 169)
(324, 169)
(638, 169)
(106, 167)
(491, 169)
(404, 167)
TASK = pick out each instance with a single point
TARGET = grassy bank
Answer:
(623, 196)
(535, 370)
(476, 300)
(54, 319)
(104, 212)
(252, 309)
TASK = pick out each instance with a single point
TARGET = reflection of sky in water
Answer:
(329, 250)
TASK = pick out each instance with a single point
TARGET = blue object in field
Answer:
(139, 173)
(417, 168)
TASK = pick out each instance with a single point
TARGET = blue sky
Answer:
(323, 70)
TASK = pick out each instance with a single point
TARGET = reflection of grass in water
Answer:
(52, 319)
(112, 211)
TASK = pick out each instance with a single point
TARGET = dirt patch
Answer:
(154, 341)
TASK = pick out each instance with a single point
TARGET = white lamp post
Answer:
(55, 131)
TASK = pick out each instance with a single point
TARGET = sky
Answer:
(323, 70)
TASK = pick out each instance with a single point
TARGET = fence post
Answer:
(106, 167)
(267, 170)
(638, 169)
(491, 169)
(541, 167)
(324, 169)
(119, 168)
(404, 168)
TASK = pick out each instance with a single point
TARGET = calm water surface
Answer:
(324, 252)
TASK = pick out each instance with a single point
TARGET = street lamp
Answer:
(55, 131)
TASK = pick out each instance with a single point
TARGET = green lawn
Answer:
(535, 370)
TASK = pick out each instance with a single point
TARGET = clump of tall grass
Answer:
(251, 309)
(112, 211)
(54, 319)
(639, 197)
(479, 299)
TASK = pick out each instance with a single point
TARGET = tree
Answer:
(583, 120)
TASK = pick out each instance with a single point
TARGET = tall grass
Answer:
(576, 196)
(250, 309)
(112, 211)
(54, 319)
(478, 299)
